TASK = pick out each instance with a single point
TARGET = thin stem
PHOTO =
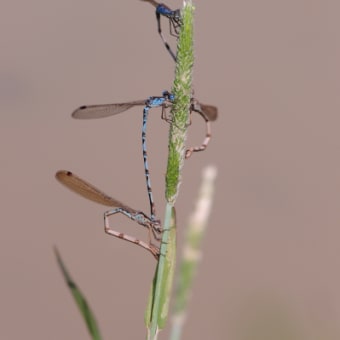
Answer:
(192, 250)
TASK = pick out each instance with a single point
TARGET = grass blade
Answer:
(79, 299)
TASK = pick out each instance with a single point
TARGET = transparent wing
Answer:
(152, 2)
(104, 110)
(87, 190)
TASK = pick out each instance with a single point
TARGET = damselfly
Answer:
(87, 190)
(106, 110)
(175, 22)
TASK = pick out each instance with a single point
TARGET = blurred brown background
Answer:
(271, 257)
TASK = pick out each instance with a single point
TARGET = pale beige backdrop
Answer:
(271, 265)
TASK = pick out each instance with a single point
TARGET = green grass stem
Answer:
(157, 309)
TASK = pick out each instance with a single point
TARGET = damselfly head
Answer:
(169, 96)
(177, 16)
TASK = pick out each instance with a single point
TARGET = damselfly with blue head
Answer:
(208, 112)
(175, 22)
(106, 110)
(90, 192)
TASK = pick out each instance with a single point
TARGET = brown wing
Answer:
(209, 111)
(87, 190)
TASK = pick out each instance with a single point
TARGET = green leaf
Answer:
(80, 300)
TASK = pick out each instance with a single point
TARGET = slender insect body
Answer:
(146, 165)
